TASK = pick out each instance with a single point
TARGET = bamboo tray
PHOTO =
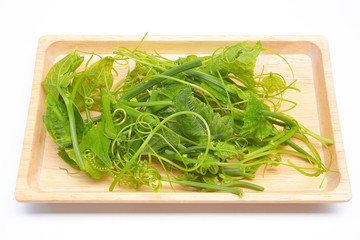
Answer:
(40, 178)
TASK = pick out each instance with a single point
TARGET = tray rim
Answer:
(26, 193)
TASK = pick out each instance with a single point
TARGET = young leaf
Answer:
(171, 88)
(96, 141)
(221, 127)
(98, 75)
(207, 165)
(210, 179)
(157, 142)
(61, 73)
(101, 72)
(225, 150)
(217, 92)
(254, 122)
(81, 127)
(239, 60)
(246, 62)
(272, 83)
(67, 159)
(56, 122)
(191, 126)
(90, 169)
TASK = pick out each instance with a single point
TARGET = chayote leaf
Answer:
(57, 123)
(171, 89)
(221, 127)
(225, 150)
(211, 179)
(239, 60)
(97, 142)
(208, 164)
(66, 158)
(97, 76)
(255, 123)
(61, 73)
(157, 142)
(90, 169)
(190, 125)
(272, 83)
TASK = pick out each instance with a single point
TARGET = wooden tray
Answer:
(40, 178)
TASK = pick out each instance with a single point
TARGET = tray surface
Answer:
(40, 178)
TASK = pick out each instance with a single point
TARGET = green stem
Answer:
(70, 110)
(195, 148)
(173, 71)
(134, 113)
(77, 84)
(245, 184)
(148, 104)
(153, 98)
(88, 116)
(237, 191)
(94, 119)
(300, 150)
(210, 79)
(279, 116)
(238, 172)
(316, 136)
(106, 100)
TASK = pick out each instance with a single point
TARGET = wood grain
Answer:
(40, 178)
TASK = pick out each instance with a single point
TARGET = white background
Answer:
(23, 22)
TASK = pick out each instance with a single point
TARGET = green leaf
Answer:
(225, 150)
(56, 122)
(90, 170)
(81, 127)
(171, 88)
(217, 92)
(243, 95)
(97, 76)
(246, 62)
(207, 165)
(96, 141)
(189, 58)
(254, 122)
(239, 60)
(190, 125)
(211, 179)
(67, 159)
(157, 142)
(173, 125)
(61, 73)
(272, 83)
(189, 176)
(101, 71)
(221, 127)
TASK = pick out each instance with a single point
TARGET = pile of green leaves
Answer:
(205, 122)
